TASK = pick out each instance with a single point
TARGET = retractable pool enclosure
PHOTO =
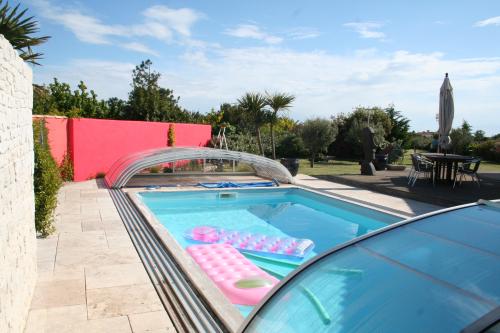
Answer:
(127, 166)
(439, 272)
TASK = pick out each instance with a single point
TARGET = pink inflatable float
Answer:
(253, 242)
(237, 277)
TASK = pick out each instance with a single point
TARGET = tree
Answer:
(461, 139)
(147, 100)
(400, 125)
(479, 136)
(348, 142)
(317, 135)
(277, 102)
(58, 99)
(18, 30)
(253, 104)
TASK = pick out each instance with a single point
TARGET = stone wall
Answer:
(17, 212)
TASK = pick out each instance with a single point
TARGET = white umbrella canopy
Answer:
(446, 113)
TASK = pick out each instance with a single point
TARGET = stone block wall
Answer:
(17, 207)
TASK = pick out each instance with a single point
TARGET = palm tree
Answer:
(18, 30)
(254, 105)
(277, 102)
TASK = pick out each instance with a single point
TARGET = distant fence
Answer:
(95, 144)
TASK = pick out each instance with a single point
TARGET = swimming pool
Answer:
(287, 212)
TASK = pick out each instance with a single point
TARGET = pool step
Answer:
(183, 304)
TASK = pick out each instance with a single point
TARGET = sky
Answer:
(332, 55)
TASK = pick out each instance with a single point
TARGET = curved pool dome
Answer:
(126, 167)
(439, 272)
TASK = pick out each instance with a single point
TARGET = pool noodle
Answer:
(323, 314)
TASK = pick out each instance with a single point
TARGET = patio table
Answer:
(446, 165)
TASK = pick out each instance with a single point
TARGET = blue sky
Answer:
(333, 55)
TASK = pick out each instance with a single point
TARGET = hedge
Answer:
(47, 181)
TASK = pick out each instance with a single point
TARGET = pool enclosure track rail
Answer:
(183, 303)
(126, 167)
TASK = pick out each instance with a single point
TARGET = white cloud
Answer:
(160, 22)
(489, 21)
(303, 33)
(179, 20)
(367, 29)
(139, 47)
(254, 32)
(106, 78)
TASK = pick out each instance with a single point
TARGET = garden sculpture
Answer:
(369, 146)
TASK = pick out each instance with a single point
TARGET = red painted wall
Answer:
(95, 144)
(57, 128)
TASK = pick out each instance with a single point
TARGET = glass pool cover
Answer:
(437, 274)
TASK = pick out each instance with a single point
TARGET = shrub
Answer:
(66, 168)
(488, 150)
(47, 181)
(395, 152)
(291, 146)
(155, 169)
(243, 142)
(317, 135)
(171, 136)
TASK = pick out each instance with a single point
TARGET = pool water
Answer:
(289, 212)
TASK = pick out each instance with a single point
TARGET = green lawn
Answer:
(351, 167)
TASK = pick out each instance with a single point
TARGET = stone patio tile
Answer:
(113, 226)
(119, 240)
(108, 213)
(115, 275)
(70, 210)
(62, 273)
(84, 240)
(58, 293)
(96, 257)
(89, 206)
(46, 249)
(104, 325)
(74, 217)
(93, 213)
(105, 199)
(92, 224)
(112, 219)
(121, 301)
(44, 267)
(151, 321)
(36, 321)
(72, 192)
(53, 320)
(62, 227)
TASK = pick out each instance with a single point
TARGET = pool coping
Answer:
(213, 297)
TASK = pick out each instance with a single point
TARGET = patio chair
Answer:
(465, 169)
(420, 165)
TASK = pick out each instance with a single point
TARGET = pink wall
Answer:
(57, 134)
(96, 144)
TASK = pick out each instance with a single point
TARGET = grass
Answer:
(352, 167)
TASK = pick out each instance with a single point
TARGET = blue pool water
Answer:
(276, 212)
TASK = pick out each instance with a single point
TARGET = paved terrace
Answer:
(90, 277)
(395, 183)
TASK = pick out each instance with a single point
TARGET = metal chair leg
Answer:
(417, 173)
(477, 180)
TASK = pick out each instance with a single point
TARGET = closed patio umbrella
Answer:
(446, 113)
